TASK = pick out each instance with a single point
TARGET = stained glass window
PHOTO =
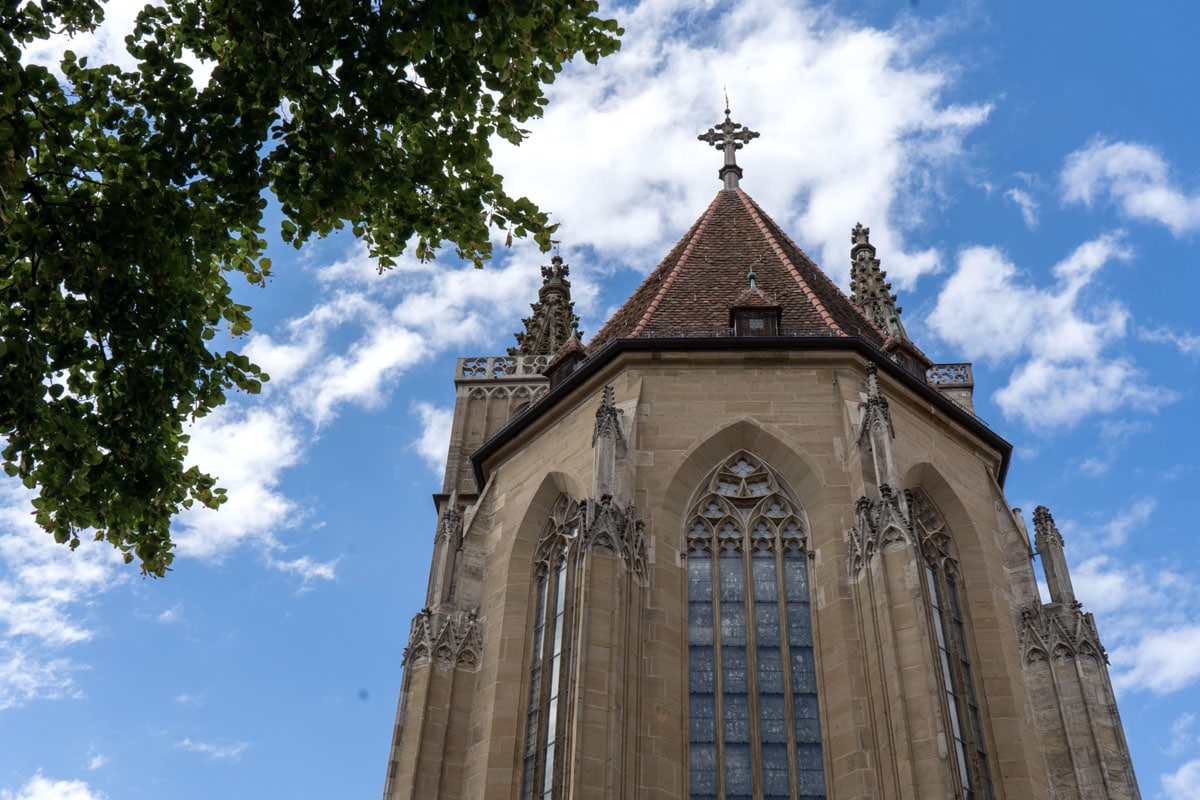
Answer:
(949, 628)
(549, 657)
(753, 719)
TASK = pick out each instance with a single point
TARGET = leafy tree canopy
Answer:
(128, 199)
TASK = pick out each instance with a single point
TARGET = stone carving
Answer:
(1058, 632)
(869, 289)
(876, 434)
(878, 522)
(553, 321)
(447, 638)
(746, 508)
(608, 526)
(491, 367)
(945, 375)
(607, 417)
(450, 527)
(729, 137)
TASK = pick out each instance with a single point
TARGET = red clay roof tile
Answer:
(705, 274)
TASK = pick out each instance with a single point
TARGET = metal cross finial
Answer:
(729, 136)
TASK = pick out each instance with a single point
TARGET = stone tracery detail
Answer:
(878, 523)
(745, 495)
(447, 638)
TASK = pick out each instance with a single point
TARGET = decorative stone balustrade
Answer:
(950, 376)
(485, 368)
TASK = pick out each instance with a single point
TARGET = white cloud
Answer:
(42, 788)
(1163, 660)
(45, 594)
(307, 569)
(1183, 783)
(170, 615)
(190, 699)
(1136, 178)
(1187, 343)
(1056, 335)
(96, 761)
(1027, 204)
(28, 673)
(231, 751)
(435, 435)
(878, 135)
(246, 449)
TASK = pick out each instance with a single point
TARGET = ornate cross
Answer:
(729, 136)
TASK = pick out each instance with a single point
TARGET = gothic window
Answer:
(549, 681)
(754, 727)
(962, 706)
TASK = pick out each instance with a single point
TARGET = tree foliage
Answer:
(130, 197)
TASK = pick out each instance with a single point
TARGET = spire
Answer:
(729, 136)
(553, 321)
(878, 432)
(1049, 543)
(869, 288)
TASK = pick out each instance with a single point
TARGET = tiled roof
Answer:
(705, 274)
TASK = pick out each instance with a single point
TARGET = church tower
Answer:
(749, 543)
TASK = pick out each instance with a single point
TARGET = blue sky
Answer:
(1031, 177)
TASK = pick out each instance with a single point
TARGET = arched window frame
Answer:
(754, 722)
(942, 580)
(552, 612)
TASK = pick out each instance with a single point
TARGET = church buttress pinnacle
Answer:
(553, 321)
(869, 288)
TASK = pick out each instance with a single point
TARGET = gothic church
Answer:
(748, 542)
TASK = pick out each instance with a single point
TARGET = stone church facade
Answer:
(747, 542)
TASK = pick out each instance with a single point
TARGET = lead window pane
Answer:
(702, 720)
(770, 669)
(703, 768)
(795, 576)
(733, 622)
(775, 769)
(763, 573)
(700, 669)
(700, 623)
(772, 718)
(737, 718)
(737, 770)
(733, 669)
(766, 623)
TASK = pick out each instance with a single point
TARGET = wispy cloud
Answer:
(1183, 734)
(1187, 343)
(1136, 178)
(1027, 204)
(226, 751)
(307, 569)
(171, 615)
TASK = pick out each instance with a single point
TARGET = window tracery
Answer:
(942, 582)
(549, 682)
(754, 726)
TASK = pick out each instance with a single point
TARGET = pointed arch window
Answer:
(942, 582)
(754, 726)
(549, 681)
